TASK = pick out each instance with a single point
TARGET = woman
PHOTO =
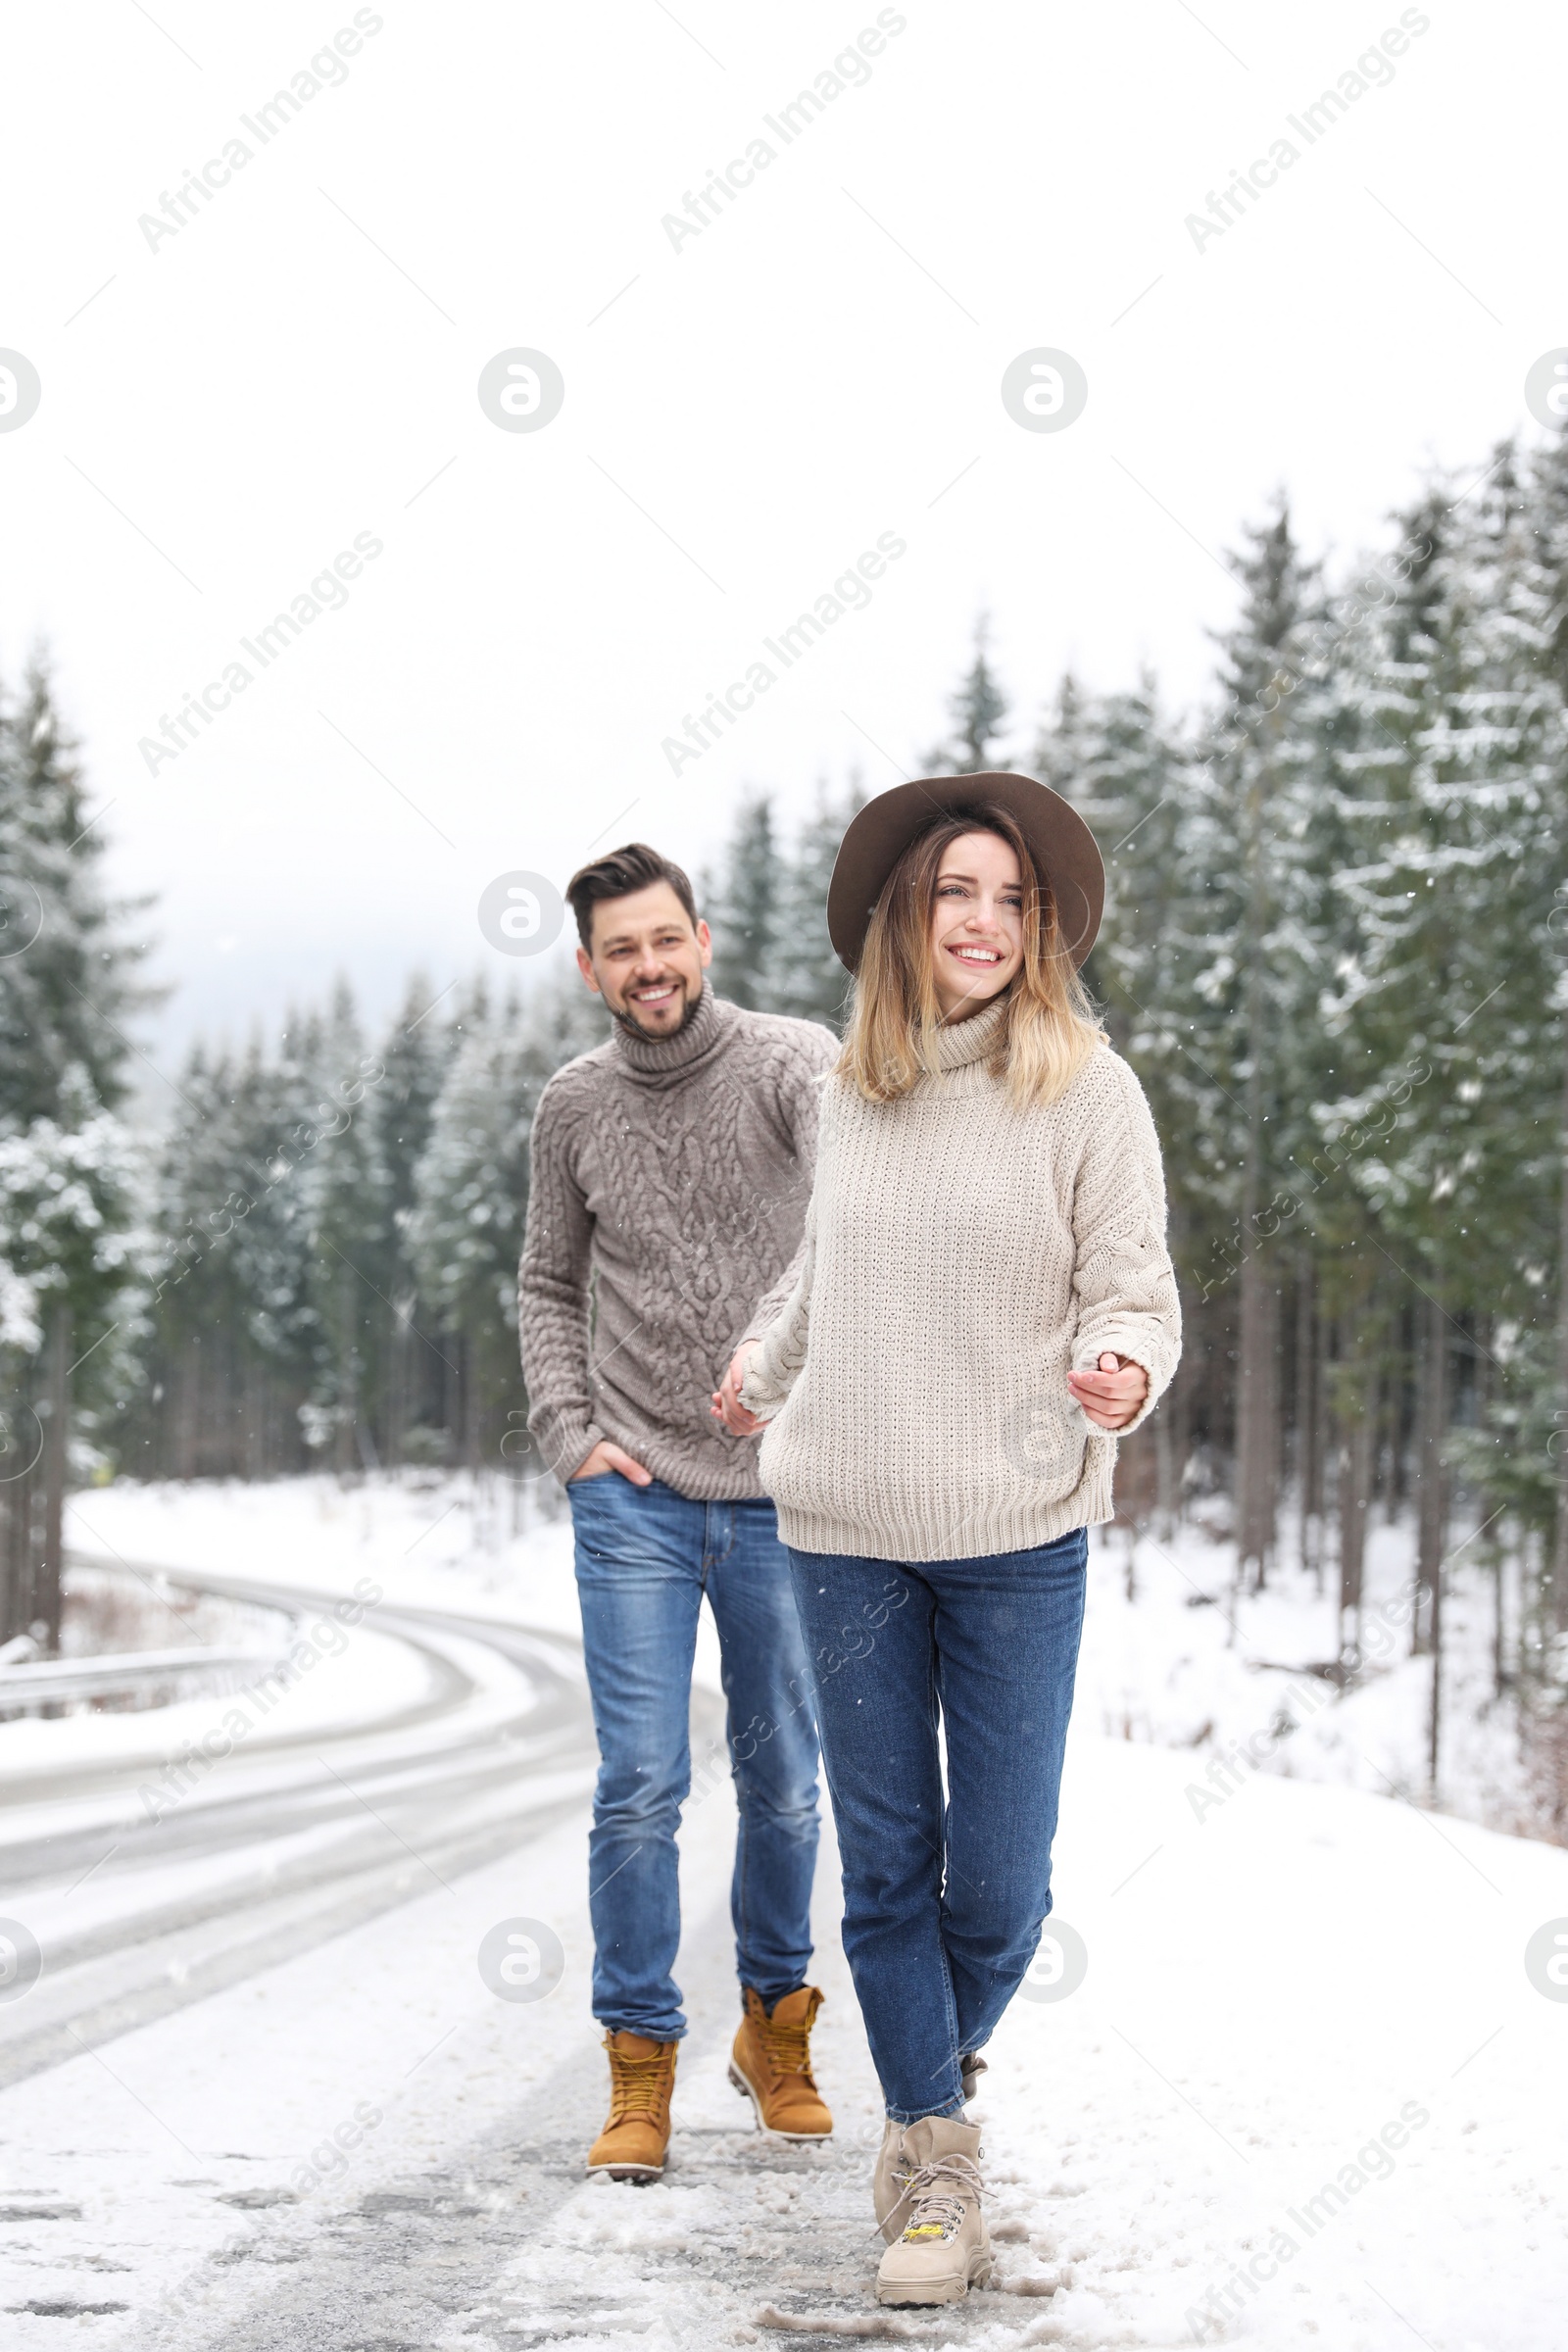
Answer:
(984, 1298)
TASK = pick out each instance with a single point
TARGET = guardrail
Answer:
(51, 1681)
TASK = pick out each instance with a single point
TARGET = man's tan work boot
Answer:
(771, 2063)
(942, 2248)
(633, 2144)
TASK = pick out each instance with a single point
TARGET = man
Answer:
(670, 1172)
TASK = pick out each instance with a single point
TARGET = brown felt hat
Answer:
(883, 830)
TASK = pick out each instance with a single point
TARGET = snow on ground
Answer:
(1304, 2043)
(1187, 1663)
(1305, 2086)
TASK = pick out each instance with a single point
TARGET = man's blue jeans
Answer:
(645, 1557)
(942, 1907)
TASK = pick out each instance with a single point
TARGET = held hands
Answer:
(606, 1456)
(726, 1405)
(1112, 1395)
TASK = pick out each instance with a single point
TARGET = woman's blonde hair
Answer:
(1050, 1029)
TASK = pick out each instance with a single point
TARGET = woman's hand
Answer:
(1112, 1395)
(726, 1405)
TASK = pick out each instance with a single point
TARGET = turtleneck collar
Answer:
(657, 1061)
(962, 1042)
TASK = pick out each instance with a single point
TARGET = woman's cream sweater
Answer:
(961, 1255)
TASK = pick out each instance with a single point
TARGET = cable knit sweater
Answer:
(668, 1189)
(961, 1255)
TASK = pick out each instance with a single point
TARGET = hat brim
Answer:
(884, 828)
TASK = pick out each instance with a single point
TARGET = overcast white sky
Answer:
(743, 417)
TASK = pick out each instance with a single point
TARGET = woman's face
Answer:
(976, 924)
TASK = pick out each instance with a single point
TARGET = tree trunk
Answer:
(1302, 1403)
(1559, 1551)
(1165, 1470)
(399, 1382)
(1356, 1422)
(17, 1434)
(1435, 1722)
(1256, 1421)
(185, 1386)
(1173, 1420)
(1136, 1479)
(8, 1589)
(255, 1390)
(468, 1424)
(1404, 1421)
(1387, 1448)
(1431, 1502)
(47, 1587)
(1315, 1473)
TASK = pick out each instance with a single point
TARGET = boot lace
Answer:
(789, 2046)
(933, 2209)
(636, 2086)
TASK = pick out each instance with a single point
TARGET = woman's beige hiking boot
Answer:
(633, 2144)
(942, 2248)
(890, 2177)
(771, 2064)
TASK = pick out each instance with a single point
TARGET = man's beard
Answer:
(658, 1037)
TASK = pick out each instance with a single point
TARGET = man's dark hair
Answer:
(635, 866)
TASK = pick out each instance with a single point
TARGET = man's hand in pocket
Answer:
(606, 1456)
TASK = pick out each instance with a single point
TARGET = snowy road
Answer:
(150, 1888)
(1305, 2078)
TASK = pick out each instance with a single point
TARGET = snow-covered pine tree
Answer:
(1372, 1220)
(198, 1304)
(69, 1247)
(1546, 594)
(1249, 844)
(470, 1204)
(414, 1055)
(67, 969)
(978, 709)
(564, 1016)
(67, 986)
(352, 1240)
(1455, 895)
(808, 980)
(742, 908)
(235, 1330)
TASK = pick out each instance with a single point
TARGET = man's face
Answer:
(646, 960)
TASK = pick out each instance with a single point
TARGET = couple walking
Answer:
(933, 1262)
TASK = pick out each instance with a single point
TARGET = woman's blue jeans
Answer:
(942, 1905)
(645, 1556)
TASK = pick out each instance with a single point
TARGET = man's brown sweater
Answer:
(668, 1194)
